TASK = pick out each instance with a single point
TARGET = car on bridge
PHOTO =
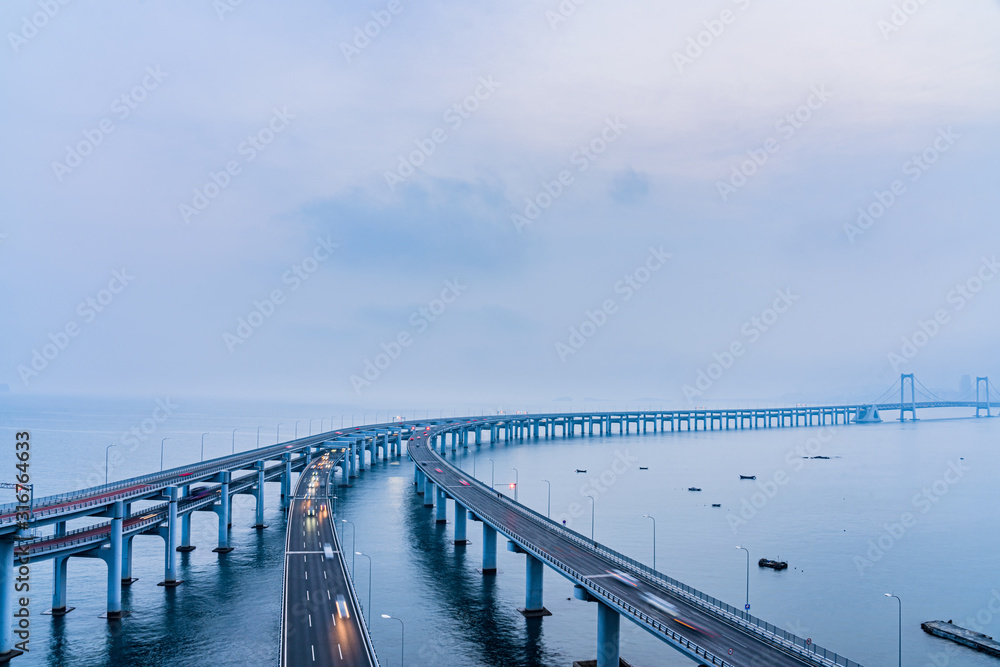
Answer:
(342, 610)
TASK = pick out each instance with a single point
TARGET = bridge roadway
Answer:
(579, 562)
(86, 502)
(315, 630)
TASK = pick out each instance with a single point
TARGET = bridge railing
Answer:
(741, 618)
(605, 593)
(158, 511)
(42, 506)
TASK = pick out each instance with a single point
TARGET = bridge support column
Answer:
(222, 509)
(361, 456)
(127, 577)
(533, 607)
(186, 533)
(489, 550)
(428, 492)
(420, 480)
(169, 535)
(608, 629)
(460, 515)
(981, 381)
(286, 481)
(259, 495)
(114, 561)
(442, 507)
(7, 575)
(60, 571)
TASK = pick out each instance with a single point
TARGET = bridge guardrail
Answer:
(160, 514)
(600, 590)
(771, 633)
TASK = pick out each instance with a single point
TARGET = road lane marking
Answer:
(312, 647)
(340, 652)
(307, 595)
(310, 620)
(328, 594)
(307, 576)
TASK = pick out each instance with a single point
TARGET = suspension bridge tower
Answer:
(903, 409)
(984, 402)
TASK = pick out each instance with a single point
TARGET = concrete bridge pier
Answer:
(60, 573)
(259, 495)
(186, 534)
(113, 557)
(7, 575)
(534, 569)
(127, 577)
(489, 550)
(169, 535)
(442, 507)
(608, 630)
(286, 481)
(460, 515)
(222, 509)
(428, 492)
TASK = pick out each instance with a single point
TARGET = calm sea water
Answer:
(907, 508)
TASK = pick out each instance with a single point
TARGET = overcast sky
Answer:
(586, 204)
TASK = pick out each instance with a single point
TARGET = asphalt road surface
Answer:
(321, 621)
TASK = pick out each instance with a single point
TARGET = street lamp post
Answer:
(369, 583)
(277, 434)
(354, 539)
(203, 446)
(548, 505)
(747, 607)
(297, 428)
(593, 511)
(515, 484)
(402, 632)
(234, 439)
(258, 436)
(899, 606)
(492, 476)
(107, 450)
(161, 452)
(650, 516)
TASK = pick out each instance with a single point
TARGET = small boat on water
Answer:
(748, 476)
(693, 488)
(773, 564)
(578, 470)
(643, 467)
(716, 504)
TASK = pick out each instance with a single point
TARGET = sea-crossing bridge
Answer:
(692, 622)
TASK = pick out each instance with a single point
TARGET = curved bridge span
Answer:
(699, 626)
(692, 622)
